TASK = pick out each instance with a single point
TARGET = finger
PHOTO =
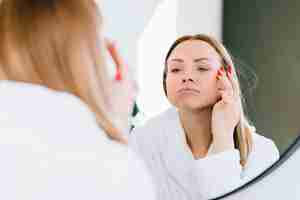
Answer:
(233, 81)
(112, 49)
(224, 83)
(116, 56)
(226, 98)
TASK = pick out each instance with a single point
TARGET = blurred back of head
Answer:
(58, 44)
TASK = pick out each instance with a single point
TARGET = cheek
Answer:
(208, 84)
(212, 75)
(172, 86)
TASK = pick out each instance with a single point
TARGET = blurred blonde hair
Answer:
(58, 44)
(243, 131)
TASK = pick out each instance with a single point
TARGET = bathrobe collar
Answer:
(179, 160)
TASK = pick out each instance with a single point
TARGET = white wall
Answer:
(153, 44)
(198, 16)
(124, 21)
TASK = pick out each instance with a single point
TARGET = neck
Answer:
(197, 127)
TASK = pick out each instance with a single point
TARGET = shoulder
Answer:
(35, 103)
(38, 98)
(264, 146)
(142, 137)
(36, 109)
(156, 123)
(264, 154)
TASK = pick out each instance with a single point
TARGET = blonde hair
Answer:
(58, 44)
(243, 131)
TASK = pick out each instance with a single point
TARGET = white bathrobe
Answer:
(178, 176)
(52, 148)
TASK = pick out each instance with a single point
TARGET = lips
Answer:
(188, 90)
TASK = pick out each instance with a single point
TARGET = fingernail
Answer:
(230, 69)
(228, 73)
(118, 76)
(221, 72)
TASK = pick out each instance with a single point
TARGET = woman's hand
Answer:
(226, 112)
(123, 89)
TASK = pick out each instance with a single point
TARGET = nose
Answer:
(187, 80)
(187, 77)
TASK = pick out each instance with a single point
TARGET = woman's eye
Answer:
(174, 70)
(202, 69)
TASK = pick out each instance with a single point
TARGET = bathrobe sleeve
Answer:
(221, 173)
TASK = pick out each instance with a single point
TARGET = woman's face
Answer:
(191, 75)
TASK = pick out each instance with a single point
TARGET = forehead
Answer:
(194, 49)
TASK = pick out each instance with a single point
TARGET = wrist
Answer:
(223, 134)
(222, 142)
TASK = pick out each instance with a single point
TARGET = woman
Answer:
(61, 132)
(204, 146)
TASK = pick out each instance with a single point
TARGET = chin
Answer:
(194, 105)
(190, 107)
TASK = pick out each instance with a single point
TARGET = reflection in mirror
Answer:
(206, 127)
(185, 161)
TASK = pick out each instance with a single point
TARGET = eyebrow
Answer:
(195, 60)
(177, 60)
(201, 59)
